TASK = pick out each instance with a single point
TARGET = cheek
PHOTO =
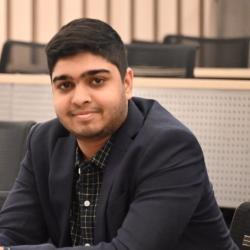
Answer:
(116, 105)
(112, 101)
(59, 105)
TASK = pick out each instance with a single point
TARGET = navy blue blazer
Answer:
(155, 193)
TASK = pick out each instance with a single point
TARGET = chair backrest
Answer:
(216, 52)
(136, 41)
(161, 60)
(240, 226)
(13, 136)
(23, 57)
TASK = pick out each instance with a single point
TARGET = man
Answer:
(112, 172)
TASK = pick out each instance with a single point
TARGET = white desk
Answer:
(223, 73)
(217, 111)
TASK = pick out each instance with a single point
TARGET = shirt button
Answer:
(86, 203)
(87, 245)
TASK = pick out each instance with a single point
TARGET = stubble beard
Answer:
(117, 118)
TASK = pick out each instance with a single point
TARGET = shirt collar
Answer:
(99, 159)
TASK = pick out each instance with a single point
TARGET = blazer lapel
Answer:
(60, 182)
(121, 141)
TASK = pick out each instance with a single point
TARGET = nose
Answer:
(81, 95)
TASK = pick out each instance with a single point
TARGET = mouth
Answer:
(84, 115)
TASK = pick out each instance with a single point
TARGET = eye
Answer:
(65, 86)
(97, 81)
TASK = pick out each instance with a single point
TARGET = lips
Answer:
(86, 111)
(85, 115)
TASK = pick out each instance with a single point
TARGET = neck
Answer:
(90, 147)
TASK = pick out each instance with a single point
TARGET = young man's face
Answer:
(90, 98)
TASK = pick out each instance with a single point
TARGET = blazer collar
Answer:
(121, 141)
(60, 184)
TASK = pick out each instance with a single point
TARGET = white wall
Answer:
(134, 19)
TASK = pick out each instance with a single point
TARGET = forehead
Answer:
(82, 62)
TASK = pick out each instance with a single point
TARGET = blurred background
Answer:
(150, 20)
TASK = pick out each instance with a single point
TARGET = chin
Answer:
(90, 134)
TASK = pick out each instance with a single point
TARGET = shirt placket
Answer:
(86, 204)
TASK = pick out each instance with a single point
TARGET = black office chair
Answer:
(136, 41)
(228, 214)
(161, 60)
(13, 136)
(240, 226)
(215, 52)
(23, 57)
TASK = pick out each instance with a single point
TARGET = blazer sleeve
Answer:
(170, 183)
(173, 193)
(21, 218)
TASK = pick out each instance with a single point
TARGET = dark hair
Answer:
(87, 35)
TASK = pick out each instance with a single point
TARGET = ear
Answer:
(128, 83)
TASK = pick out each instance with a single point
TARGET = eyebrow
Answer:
(84, 74)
